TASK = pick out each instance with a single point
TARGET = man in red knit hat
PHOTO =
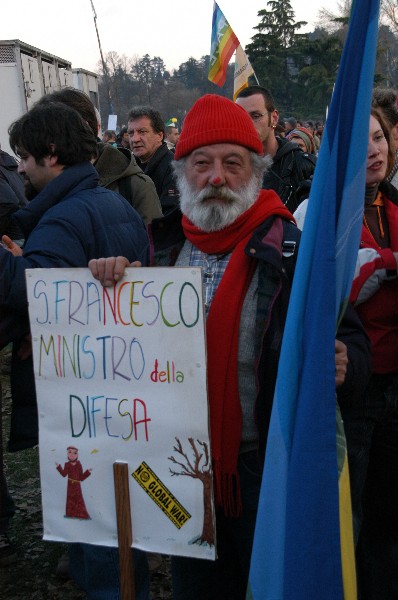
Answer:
(245, 240)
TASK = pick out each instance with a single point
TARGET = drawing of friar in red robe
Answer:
(75, 506)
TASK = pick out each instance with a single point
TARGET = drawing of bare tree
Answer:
(199, 468)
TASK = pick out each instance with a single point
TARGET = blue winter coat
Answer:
(71, 221)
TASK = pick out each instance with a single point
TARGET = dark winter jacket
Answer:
(275, 274)
(118, 171)
(160, 170)
(290, 174)
(12, 195)
(71, 221)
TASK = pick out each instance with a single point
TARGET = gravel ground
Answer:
(32, 576)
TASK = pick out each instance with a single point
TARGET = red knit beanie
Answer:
(217, 120)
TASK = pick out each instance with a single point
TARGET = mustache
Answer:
(221, 193)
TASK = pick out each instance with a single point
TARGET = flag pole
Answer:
(104, 65)
(124, 530)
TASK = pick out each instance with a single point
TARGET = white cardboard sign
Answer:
(112, 122)
(121, 376)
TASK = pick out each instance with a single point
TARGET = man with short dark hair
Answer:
(147, 132)
(69, 220)
(117, 168)
(172, 134)
(292, 169)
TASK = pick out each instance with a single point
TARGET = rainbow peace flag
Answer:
(223, 44)
(303, 545)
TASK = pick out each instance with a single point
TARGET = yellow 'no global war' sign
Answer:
(161, 495)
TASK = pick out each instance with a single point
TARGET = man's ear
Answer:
(53, 158)
(274, 117)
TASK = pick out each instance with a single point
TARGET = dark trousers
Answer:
(227, 577)
(372, 441)
(95, 569)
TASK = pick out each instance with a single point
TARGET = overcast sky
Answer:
(175, 30)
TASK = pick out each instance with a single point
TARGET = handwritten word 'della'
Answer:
(170, 375)
(133, 303)
(114, 417)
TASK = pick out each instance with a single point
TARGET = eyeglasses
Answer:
(257, 116)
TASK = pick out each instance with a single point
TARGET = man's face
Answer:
(144, 141)
(173, 135)
(263, 119)
(37, 176)
(218, 185)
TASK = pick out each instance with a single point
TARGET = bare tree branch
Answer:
(389, 13)
(179, 450)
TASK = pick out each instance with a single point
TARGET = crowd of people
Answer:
(228, 189)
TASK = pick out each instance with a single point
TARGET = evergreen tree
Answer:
(271, 51)
(317, 60)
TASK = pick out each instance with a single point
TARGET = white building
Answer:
(27, 73)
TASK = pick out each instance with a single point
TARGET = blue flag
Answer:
(302, 548)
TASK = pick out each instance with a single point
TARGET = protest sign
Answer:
(121, 376)
(112, 122)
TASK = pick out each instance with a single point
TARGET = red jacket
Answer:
(375, 289)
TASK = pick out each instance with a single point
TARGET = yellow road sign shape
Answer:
(161, 495)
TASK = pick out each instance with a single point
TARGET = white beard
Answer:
(211, 215)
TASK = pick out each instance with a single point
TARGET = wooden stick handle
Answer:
(124, 530)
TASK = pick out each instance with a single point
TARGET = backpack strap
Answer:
(290, 246)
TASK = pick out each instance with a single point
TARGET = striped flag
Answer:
(243, 70)
(303, 545)
(223, 44)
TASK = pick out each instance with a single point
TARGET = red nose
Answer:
(217, 180)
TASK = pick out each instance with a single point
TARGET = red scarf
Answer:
(222, 331)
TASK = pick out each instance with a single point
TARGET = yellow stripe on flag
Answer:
(346, 535)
